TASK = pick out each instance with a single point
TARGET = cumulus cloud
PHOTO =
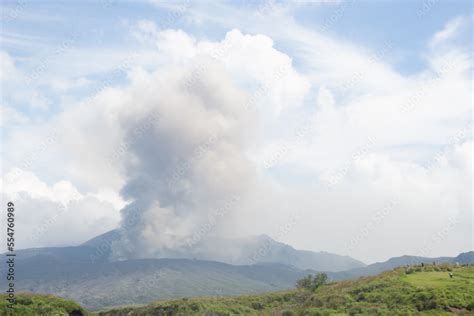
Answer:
(252, 60)
(55, 215)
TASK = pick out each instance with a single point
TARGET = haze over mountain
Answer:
(250, 250)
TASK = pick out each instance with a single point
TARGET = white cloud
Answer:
(354, 216)
(75, 150)
(7, 66)
(55, 215)
(449, 31)
(63, 85)
(16, 88)
(251, 59)
(10, 116)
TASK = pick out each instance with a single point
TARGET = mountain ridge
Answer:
(242, 251)
(394, 262)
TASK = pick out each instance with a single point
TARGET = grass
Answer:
(404, 291)
(440, 279)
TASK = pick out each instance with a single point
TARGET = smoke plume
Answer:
(185, 164)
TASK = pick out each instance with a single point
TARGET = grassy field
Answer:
(439, 279)
(404, 291)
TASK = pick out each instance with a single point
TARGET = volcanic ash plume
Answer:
(185, 165)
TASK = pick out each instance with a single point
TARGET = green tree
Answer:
(312, 282)
(320, 279)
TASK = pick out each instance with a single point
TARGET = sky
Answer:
(339, 126)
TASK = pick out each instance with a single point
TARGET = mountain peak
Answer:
(243, 251)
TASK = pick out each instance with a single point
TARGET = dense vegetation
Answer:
(416, 290)
(39, 305)
(427, 290)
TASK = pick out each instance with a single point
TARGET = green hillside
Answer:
(417, 290)
(40, 305)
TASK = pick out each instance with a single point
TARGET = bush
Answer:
(470, 307)
(311, 282)
(257, 305)
(194, 307)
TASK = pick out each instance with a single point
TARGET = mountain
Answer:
(96, 285)
(259, 249)
(90, 274)
(242, 251)
(464, 258)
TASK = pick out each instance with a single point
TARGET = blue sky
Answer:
(34, 29)
(374, 101)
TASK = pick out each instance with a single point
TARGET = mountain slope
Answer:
(427, 291)
(464, 258)
(101, 284)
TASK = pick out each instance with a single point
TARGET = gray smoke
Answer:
(185, 164)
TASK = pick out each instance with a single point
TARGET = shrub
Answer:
(305, 283)
(257, 305)
(316, 302)
(470, 307)
(311, 282)
(194, 307)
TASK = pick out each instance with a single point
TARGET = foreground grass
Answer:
(39, 305)
(414, 291)
(404, 291)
